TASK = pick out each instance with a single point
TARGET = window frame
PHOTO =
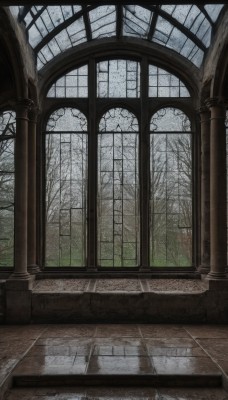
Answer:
(93, 108)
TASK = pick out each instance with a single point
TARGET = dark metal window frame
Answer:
(143, 108)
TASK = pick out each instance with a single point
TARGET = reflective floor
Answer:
(115, 352)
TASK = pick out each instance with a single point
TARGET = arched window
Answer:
(66, 188)
(7, 136)
(118, 188)
(171, 189)
(137, 178)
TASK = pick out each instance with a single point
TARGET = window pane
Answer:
(73, 84)
(136, 21)
(118, 78)
(171, 189)
(7, 134)
(103, 21)
(118, 186)
(66, 188)
(164, 84)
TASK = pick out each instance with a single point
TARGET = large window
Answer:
(171, 189)
(118, 189)
(66, 188)
(7, 136)
(118, 172)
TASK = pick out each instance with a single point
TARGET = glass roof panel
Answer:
(136, 21)
(213, 10)
(185, 29)
(103, 21)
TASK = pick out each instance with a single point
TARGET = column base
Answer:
(20, 276)
(19, 299)
(216, 275)
(33, 269)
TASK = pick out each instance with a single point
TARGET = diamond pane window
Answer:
(164, 84)
(73, 84)
(66, 188)
(7, 136)
(171, 189)
(118, 78)
(118, 187)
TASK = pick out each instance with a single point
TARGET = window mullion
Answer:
(144, 168)
(92, 170)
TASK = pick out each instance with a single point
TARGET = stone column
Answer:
(21, 190)
(18, 286)
(32, 266)
(218, 191)
(205, 190)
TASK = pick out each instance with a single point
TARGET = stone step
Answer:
(114, 393)
(124, 380)
(126, 301)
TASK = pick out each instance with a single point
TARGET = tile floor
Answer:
(44, 350)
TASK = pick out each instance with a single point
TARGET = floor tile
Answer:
(117, 331)
(184, 366)
(64, 349)
(49, 365)
(218, 350)
(74, 330)
(192, 394)
(163, 331)
(120, 365)
(122, 394)
(118, 350)
(171, 342)
(207, 331)
(93, 393)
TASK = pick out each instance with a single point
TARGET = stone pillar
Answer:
(21, 190)
(18, 286)
(218, 191)
(205, 190)
(32, 266)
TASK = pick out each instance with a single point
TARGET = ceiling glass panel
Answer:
(136, 21)
(185, 29)
(213, 10)
(103, 21)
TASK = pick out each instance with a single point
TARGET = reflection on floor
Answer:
(112, 355)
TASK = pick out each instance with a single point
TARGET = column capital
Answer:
(22, 107)
(203, 110)
(214, 102)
